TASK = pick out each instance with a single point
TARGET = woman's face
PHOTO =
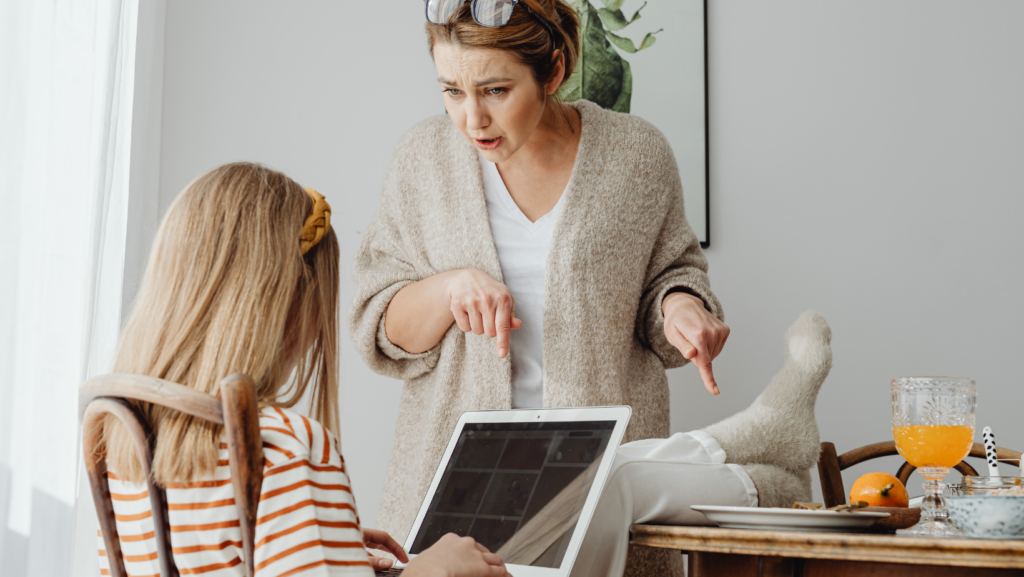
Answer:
(491, 97)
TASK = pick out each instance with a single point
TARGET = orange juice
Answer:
(933, 445)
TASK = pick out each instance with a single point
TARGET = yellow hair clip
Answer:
(317, 224)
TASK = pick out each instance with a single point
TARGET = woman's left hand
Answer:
(374, 539)
(697, 333)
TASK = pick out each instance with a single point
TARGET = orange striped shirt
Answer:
(306, 524)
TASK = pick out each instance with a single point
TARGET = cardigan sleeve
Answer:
(381, 269)
(676, 262)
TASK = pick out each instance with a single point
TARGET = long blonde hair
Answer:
(226, 291)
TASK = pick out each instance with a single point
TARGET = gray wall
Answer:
(866, 161)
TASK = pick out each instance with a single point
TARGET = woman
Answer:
(557, 230)
(243, 277)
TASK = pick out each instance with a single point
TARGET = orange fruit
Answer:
(879, 490)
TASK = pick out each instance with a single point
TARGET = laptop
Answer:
(523, 483)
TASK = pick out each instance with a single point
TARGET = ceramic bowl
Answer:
(988, 516)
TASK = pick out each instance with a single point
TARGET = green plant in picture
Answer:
(602, 75)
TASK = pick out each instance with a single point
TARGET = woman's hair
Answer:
(227, 290)
(523, 36)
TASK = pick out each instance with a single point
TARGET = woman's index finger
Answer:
(703, 362)
(503, 326)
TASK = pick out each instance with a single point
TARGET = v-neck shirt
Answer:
(523, 253)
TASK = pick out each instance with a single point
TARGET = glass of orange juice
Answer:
(933, 424)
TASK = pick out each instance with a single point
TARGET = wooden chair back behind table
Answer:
(236, 409)
(831, 465)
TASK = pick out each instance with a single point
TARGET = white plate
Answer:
(788, 519)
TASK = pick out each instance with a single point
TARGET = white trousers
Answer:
(656, 481)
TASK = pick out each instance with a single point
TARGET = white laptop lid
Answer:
(524, 483)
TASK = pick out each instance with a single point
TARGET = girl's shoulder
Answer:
(290, 436)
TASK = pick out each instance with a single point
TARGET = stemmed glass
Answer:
(933, 424)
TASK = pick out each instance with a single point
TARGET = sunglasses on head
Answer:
(487, 13)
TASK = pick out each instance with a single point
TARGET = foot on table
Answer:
(779, 427)
(778, 487)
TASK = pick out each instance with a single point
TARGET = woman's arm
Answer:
(380, 271)
(420, 314)
(403, 306)
(680, 319)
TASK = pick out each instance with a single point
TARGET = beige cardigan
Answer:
(620, 243)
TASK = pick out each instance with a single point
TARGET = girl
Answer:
(243, 277)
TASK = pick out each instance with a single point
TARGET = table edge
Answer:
(838, 546)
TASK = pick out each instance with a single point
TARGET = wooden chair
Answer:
(831, 465)
(236, 409)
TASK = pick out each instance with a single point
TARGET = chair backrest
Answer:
(831, 465)
(237, 410)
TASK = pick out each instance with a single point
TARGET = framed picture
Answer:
(650, 59)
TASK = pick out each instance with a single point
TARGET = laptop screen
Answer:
(517, 488)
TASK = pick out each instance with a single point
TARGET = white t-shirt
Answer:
(523, 253)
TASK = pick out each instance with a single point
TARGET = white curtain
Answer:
(66, 87)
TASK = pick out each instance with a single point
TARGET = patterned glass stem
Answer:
(932, 508)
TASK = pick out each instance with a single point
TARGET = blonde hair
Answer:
(226, 291)
(524, 36)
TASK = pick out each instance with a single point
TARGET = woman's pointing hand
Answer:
(698, 334)
(483, 306)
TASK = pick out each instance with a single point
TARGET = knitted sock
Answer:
(777, 487)
(779, 427)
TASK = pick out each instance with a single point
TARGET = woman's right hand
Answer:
(454, 556)
(482, 305)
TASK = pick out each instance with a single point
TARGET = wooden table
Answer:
(714, 551)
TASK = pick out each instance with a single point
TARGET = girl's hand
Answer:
(482, 305)
(698, 334)
(454, 556)
(374, 539)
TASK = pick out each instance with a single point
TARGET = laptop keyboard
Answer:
(390, 572)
